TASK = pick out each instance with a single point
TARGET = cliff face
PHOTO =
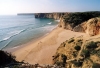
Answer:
(49, 15)
(93, 26)
(78, 53)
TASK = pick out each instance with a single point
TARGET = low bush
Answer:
(71, 40)
(96, 65)
(91, 45)
(60, 64)
(77, 63)
(77, 48)
(85, 53)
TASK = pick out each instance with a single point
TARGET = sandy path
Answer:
(43, 49)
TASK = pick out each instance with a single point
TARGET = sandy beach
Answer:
(42, 50)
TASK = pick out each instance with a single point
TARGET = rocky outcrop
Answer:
(90, 27)
(64, 25)
(78, 53)
(93, 26)
(80, 27)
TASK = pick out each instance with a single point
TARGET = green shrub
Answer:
(60, 64)
(77, 48)
(71, 40)
(85, 53)
(64, 58)
(75, 53)
(96, 65)
(77, 63)
(93, 52)
(98, 53)
(91, 45)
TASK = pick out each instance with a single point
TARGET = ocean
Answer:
(16, 30)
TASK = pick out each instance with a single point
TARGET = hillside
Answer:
(79, 52)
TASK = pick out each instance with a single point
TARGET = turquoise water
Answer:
(18, 29)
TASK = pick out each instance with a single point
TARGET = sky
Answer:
(8, 7)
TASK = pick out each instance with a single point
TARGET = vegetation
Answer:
(77, 18)
(64, 58)
(96, 65)
(85, 53)
(78, 64)
(63, 44)
(91, 45)
(6, 58)
(60, 64)
(77, 48)
(71, 40)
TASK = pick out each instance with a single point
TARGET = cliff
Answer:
(49, 15)
(76, 21)
(78, 53)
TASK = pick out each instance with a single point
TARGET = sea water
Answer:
(19, 29)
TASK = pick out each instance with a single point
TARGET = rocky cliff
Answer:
(91, 27)
(49, 15)
(78, 53)
(78, 21)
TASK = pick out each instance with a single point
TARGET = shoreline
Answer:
(42, 50)
(13, 49)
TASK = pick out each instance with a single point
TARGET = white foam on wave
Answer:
(6, 38)
(15, 47)
(13, 33)
(49, 23)
(50, 28)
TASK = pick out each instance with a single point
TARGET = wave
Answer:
(6, 44)
(50, 28)
(11, 34)
(49, 23)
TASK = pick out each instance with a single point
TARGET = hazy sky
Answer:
(33, 6)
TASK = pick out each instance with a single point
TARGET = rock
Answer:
(78, 28)
(93, 26)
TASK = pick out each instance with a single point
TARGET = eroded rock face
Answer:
(93, 26)
(90, 27)
(80, 27)
(64, 25)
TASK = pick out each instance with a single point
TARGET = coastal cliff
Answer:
(76, 21)
(49, 15)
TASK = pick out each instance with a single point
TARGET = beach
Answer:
(42, 50)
